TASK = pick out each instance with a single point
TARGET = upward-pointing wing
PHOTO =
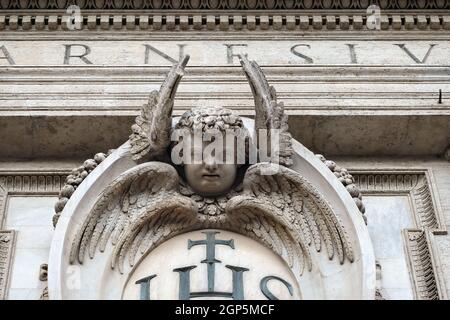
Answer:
(269, 113)
(151, 131)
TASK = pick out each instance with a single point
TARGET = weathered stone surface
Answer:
(29, 216)
(104, 21)
(237, 22)
(341, 102)
(130, 22)
(143, 22)
(211, 22)
(72, 136)
(277, 23)
(264, 22)
(26, 23)
(111, 293)
(92, 22)
(251, 22)
(304, 22)
(223, 23)
(317, 22)
(13, 22)
(117, 22)
(246, 252)
(197, 21)
(157, 22)
(170, 22)
(396, 22)
(184, 23)
(344, 23)
(290, 23)
(331, 22)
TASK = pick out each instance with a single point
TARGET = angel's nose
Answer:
(210, 163)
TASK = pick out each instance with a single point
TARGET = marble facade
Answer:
(367, 99)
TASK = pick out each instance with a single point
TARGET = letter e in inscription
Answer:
(230, 52)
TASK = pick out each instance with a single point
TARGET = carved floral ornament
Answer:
(138, 198)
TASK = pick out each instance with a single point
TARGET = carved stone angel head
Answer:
(215, 171)
(146, 205)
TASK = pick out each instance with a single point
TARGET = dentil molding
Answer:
(116, 20)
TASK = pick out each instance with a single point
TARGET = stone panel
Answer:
(31, 218)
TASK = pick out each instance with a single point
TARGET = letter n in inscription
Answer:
(68, 53)
(149, 48)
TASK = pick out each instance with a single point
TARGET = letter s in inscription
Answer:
(265, 290)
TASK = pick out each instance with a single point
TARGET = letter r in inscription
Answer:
(68, 53)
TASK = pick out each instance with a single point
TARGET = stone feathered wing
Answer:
(137, 211)
(289, 215)
(269, 113)
(151, 131)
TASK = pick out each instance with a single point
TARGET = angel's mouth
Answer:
(211, 176)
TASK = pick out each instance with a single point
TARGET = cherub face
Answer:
(211, 177)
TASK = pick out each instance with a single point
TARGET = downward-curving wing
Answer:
(289, 215)
(151, 131)
(137, 211)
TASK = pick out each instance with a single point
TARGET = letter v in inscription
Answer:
(412, 56)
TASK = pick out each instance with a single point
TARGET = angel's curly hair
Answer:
(213, 118)
(205, 118)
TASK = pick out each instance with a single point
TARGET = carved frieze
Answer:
(228, 5)
(423, 274)
(6, 249)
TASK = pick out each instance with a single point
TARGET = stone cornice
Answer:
(36, 20)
